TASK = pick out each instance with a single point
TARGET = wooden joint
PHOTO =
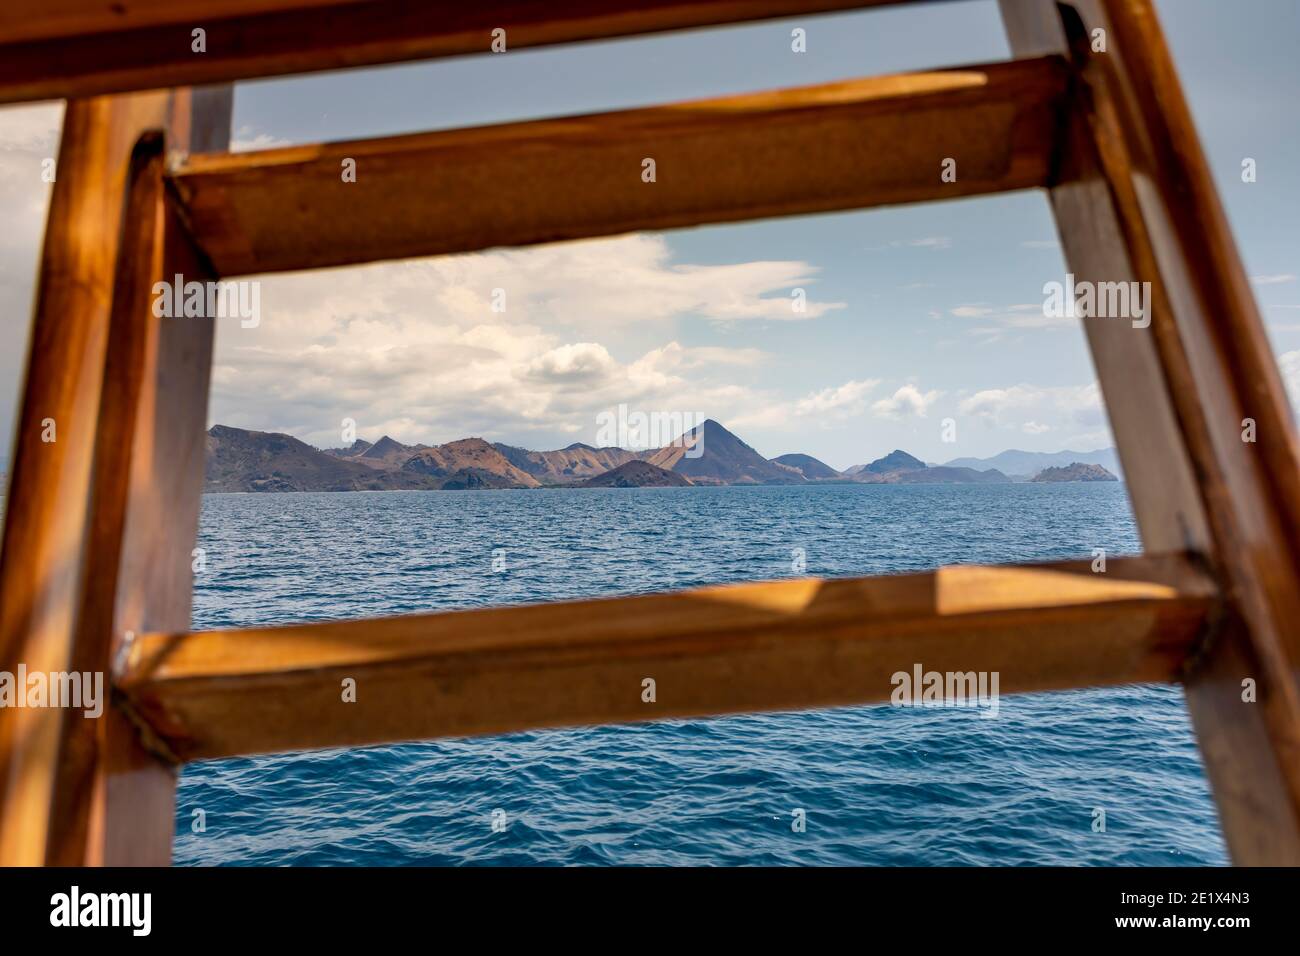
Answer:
(146, 737)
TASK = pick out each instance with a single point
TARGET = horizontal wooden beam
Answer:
(51, 49)
(839, 146)
(772, 646)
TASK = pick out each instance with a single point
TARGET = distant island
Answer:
(900, 468)
(239, 460)
(636, 474)
(1076, 471)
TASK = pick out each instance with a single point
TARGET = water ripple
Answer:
(877, 785)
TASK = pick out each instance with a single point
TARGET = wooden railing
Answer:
(778, 645)
(845, 145)
(83, 47)
(100, 524)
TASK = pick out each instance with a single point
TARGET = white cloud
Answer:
(847, 399)
(1290, 365)
(826, 408)
(414, 348)
(996, 321)
(1273, 279)
(926, 242)
(29, 136)
(908, 402)
(1074, 412)
(996, 402)
(30, 128)
(246, 141)
(676, 356)
(596, 283)
(582, 364)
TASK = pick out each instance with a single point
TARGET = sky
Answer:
(914, 314)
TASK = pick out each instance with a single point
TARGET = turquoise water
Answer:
(878, 785)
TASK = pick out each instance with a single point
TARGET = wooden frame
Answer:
(92, 552)
(721, 160)
(1135, 173)
(747, 647)
(95, 555)
(81, 47)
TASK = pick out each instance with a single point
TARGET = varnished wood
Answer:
(45, 19)
(131, 341)
(147, 475)
(160, 506)
(771, 646)
(838, 146)
(1137, 201)
(45, 530)
(68, 48)
(66, 779)
(90, 555)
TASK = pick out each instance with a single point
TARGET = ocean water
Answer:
(878, 785)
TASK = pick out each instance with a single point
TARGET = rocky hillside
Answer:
(466, 455)
(567, 464)
(808, 466)
(387, 453)
(636, 474)
(242, 460)
(1075, 471)
(722, 459)
(943, 475)
(239, 460)
(357, 448)
(1024, 465)
(896, 461)
(900, 468)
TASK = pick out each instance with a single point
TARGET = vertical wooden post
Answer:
(64, 586)
(1135, 202)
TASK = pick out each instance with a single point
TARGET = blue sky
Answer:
(916, 313)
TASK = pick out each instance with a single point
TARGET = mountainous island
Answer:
(1076, 471)
(636, 474)
(239, 460)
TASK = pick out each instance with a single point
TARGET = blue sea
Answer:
(877, 785)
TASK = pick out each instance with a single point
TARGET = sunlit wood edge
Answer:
(848, 145)
(780, 645)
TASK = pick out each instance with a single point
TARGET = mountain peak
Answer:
(383, 448)
(243, 460)
(710, 454)
(896, 460)
(469, 444)
(1075, 471)
(807, 465)
(636, 474)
